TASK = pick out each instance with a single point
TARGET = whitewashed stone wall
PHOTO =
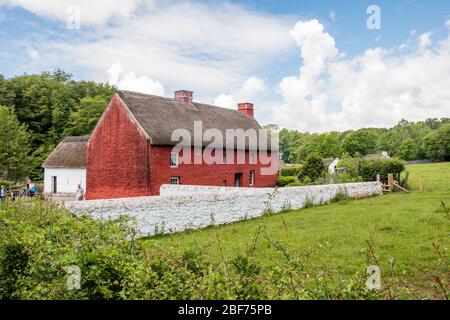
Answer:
(180, 208)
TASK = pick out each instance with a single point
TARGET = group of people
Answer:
(30, 191)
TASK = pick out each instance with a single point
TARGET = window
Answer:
(174, 160)
(251, 178)
(175, 180)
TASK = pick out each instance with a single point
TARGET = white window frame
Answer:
(175, 179)
(174, 160)
(251, 178)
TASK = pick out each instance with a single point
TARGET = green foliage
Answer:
(14, 148)
(40, 241)
(284, 181)
(405, 140)
(408, 150)
(368, 169)
(84, 118)
(292, 171)
(5, 183)
(49, 104)
(360, 169)
(437, 143)
(314, 168)
(360, 142)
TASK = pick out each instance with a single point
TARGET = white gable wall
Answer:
(67, 179)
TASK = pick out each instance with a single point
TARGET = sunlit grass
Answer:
(402, 227)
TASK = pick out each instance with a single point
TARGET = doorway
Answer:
(238, 180)
(54, 185)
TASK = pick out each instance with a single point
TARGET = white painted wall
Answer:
(332, 166)
(180, 208)
(67, 179)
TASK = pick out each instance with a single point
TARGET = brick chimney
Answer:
(246, 108)
(184, 96)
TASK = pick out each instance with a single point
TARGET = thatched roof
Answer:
(159, 117)
(70, 153)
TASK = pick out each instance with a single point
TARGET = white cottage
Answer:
(65, 167)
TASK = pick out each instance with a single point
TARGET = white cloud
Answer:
(199, 46)
(96, 12)
(377, 88)
(425, 40)
(249, 92)
(225, 101)
(131, 82)
(447, 23)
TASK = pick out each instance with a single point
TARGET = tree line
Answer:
(38, 111)
(421, 140)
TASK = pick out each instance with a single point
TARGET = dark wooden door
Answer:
(54, 185)
(238, 180)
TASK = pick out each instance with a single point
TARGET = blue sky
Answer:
(228, 52)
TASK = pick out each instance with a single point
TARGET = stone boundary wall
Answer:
(181, 208)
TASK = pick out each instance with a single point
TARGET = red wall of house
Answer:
(121, 163)
(118, 155)
(203, 174)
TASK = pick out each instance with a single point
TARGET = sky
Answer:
(309, 65)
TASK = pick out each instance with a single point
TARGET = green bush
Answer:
(5, 183)
(40, 240)
(284, 181)
(368, 169)
(292, 171)
(360, 169)
(314, 168)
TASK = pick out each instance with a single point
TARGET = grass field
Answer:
(402, 228)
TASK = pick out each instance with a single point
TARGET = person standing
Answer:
(80, 193)
(32, 189)
(2, 193)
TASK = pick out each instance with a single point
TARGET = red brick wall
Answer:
(118, 157)
(203, 174)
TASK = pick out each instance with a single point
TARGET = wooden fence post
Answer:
(391, 181)
(421, 188)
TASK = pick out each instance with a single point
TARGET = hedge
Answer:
(368, 169)
(284, 181)
(293, 171)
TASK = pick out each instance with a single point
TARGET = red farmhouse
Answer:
(131, 153)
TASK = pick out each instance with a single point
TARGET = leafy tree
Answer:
(314, 167)
(408, 150)
(14, 145)
(363, 142)
(83, 120)
(437, 143)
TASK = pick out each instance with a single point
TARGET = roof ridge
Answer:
(195, 103)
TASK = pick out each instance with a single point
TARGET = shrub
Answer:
(39, 240)
(368, 169)
(284, 181)
(314, 168)
(293, 171)
(358, 169)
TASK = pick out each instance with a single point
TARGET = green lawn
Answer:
(401, 226)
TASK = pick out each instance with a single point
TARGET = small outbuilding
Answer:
(65, 167)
